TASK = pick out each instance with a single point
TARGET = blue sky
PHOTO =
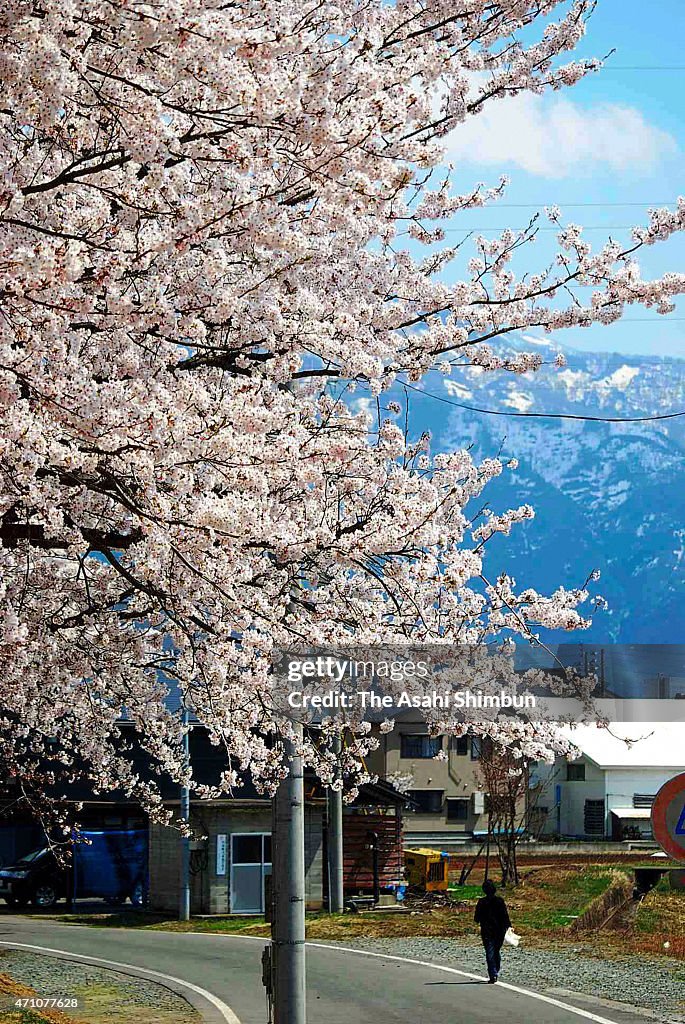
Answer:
(618, 137)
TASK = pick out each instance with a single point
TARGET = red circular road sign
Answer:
(668, 817)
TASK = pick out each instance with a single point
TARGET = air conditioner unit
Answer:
(478, 803)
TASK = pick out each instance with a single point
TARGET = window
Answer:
(575, 772)
(643, 799)
(426, 801)
(247, 849)
(476, 748)
(460, 745)
(457, 810)
(594, 818)
(421, 746)
(34, 855)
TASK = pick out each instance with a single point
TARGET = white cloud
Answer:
(554, 137)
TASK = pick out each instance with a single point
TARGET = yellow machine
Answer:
(426, 869)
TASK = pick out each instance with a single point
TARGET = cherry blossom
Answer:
(209, 222)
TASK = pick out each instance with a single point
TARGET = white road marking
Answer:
(466, 974)
(439, 967)
(231, 1018)
(225, 1010)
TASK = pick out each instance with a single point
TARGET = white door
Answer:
(250, 864)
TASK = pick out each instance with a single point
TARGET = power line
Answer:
(562, 203)
(661, 319)
(585, 227)
(545, 415)
(643, 67)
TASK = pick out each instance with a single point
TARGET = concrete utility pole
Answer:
(288, 971)
(335, 847)
(184, 900)
(287, 927)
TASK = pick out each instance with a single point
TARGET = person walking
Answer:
(493, 917)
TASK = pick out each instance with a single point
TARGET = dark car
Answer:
(36, 878)
(106, 865)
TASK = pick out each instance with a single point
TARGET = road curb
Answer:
(211, 1009)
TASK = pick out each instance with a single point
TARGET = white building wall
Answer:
(616, 786)
(574, 795)
(623, 783)
(565, 798)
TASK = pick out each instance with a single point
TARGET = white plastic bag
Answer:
(511, 938)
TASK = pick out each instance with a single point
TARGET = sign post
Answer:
(668, 817)
(221, 843)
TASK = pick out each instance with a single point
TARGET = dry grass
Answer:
(11, 990)
(98, 1003)
(660, 919)
(548, 900)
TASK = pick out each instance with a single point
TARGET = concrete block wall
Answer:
(209, 891)
(164, 867)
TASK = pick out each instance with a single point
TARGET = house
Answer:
(447, 804)
(230, 860)
(231, 864)
(607, 793)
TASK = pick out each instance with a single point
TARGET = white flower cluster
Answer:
(202, 215)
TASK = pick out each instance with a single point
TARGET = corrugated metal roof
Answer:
(631, 745)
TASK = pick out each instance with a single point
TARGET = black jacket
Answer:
(493, 917)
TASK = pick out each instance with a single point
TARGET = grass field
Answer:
(546, 898)
(660, 919)
(547, 901)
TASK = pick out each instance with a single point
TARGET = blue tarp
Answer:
(111, 864)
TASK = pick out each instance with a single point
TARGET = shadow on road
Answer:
(85, 907)
(455, 983)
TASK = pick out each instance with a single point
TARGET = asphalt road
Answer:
(343, 987)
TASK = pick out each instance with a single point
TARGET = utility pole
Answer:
(287, 961)
(184, 901)
(335, 846)
(288, 891)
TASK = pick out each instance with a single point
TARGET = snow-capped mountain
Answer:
(607, 496)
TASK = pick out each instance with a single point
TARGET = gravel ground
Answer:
(103, 996)
(653, 985)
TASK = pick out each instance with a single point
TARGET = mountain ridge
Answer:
(607, 496)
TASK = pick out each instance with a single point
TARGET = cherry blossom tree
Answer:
(505, 781)
(210, 215)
